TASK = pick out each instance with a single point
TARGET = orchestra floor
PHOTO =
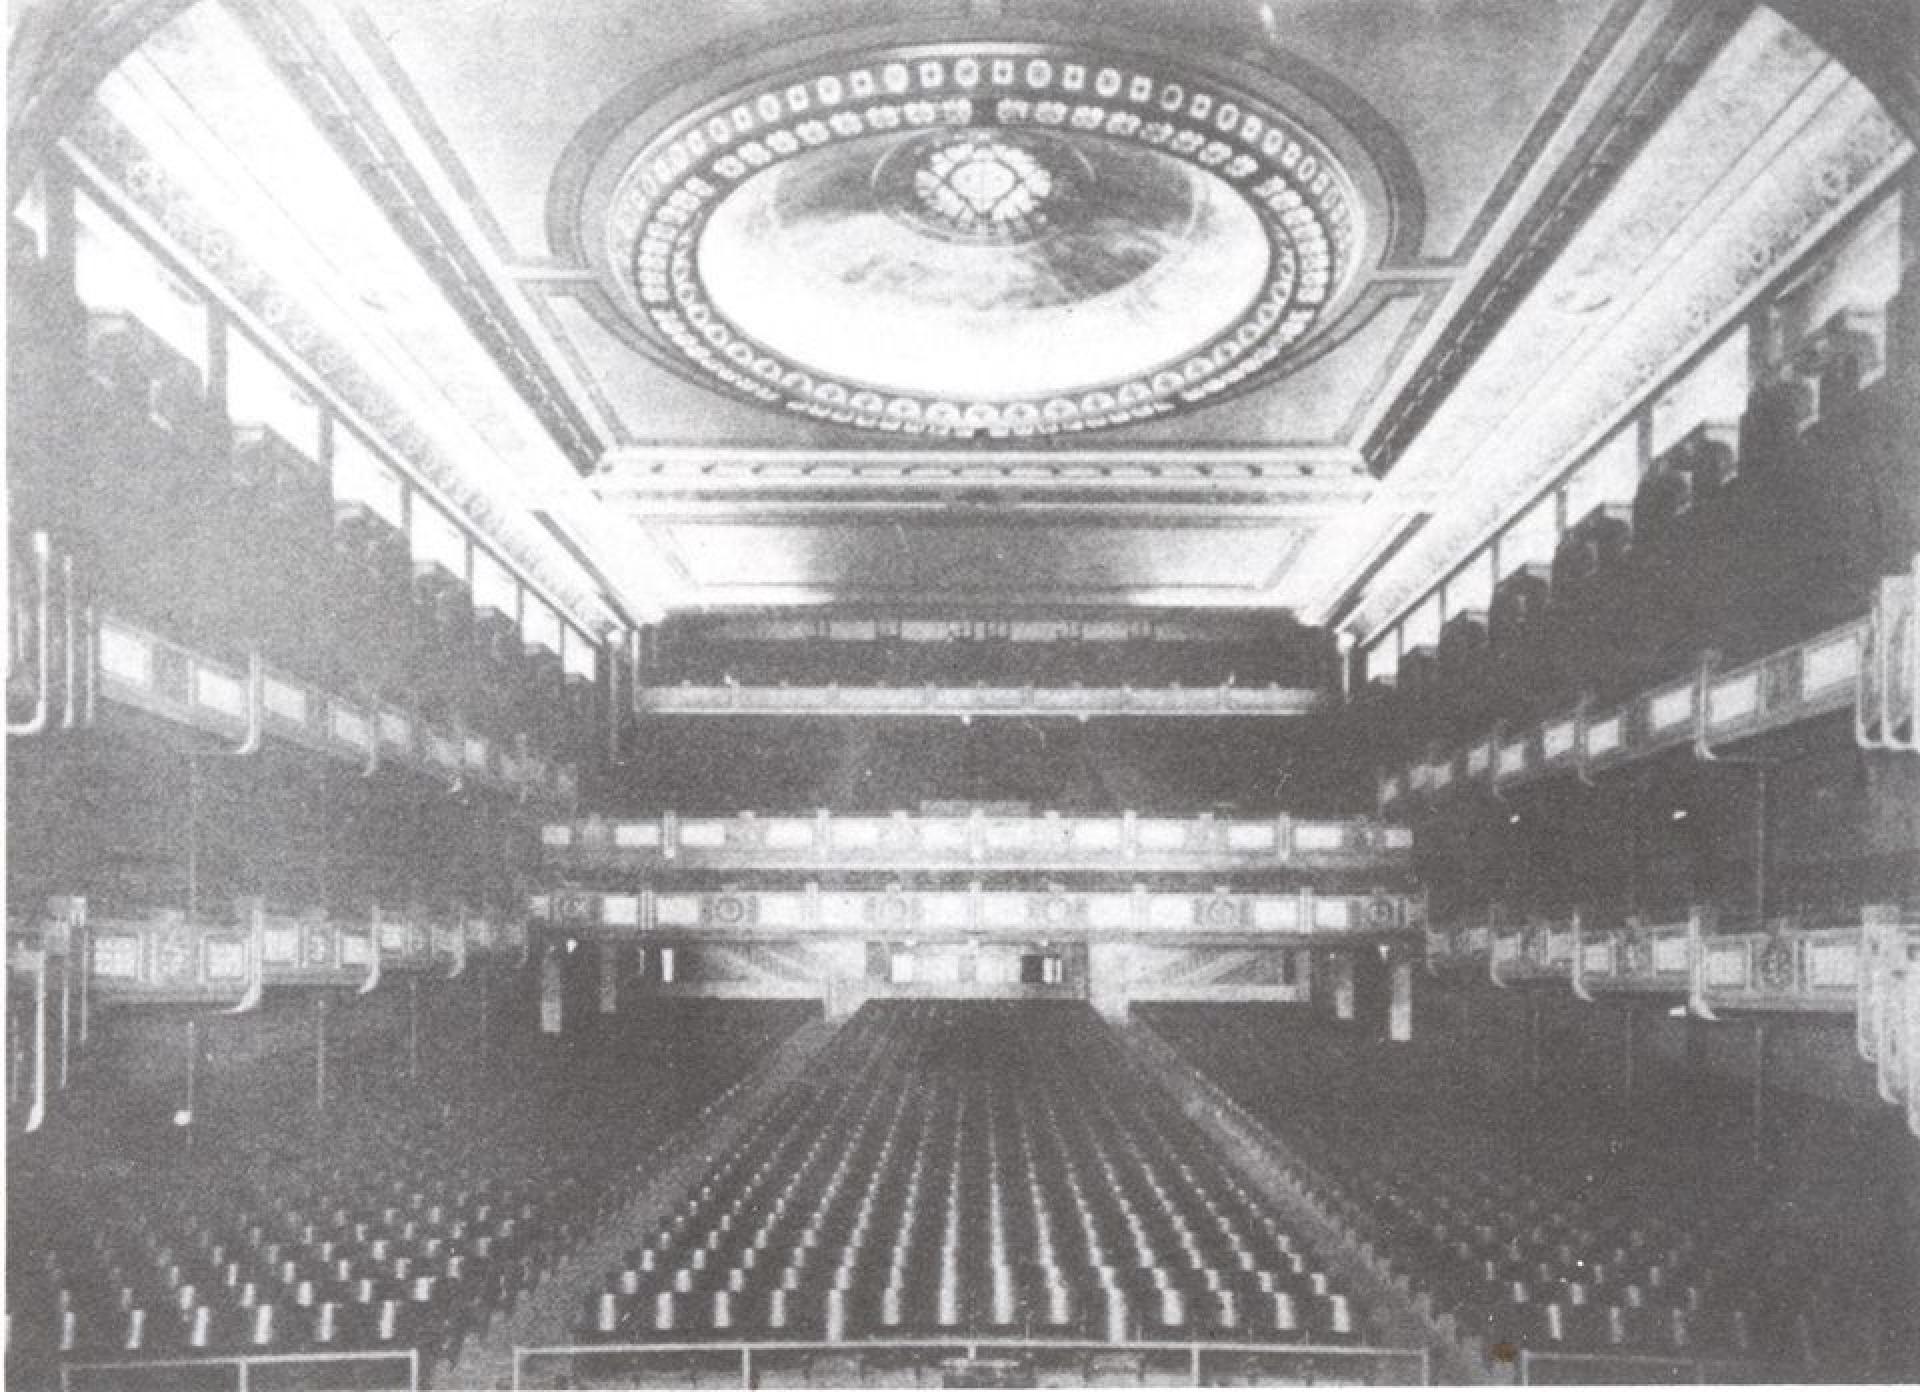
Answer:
(951, 1194)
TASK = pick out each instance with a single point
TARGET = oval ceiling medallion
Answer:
(980, 240)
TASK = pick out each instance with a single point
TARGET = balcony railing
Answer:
(1870, 970)
(169, 958)
(372, 1370)
(71, 965)
(141, 671)
(1128, 842)
(1704, 708)
(110, 661)
(1785, 967)
(78, 659)
(1302, 915)
(970, 1362)
(1549, 1368)
(1025, 702)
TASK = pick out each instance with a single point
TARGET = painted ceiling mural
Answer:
(996, 240)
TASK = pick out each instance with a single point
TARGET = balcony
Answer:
(1127, 843)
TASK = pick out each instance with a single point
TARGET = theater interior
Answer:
(683, 711)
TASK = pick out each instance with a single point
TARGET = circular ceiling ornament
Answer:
(975, 185)
(982, 239)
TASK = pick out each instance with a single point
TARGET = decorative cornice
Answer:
(1678, 56)
(1312, 480)
(1157, 509)
(1803, 169)
(344, 115)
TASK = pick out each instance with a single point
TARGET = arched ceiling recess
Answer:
(984, 238)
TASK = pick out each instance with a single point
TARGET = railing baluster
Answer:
(42, 547)
(70, 707)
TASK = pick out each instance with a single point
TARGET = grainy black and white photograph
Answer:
(726, 694)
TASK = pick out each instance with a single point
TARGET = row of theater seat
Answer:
(977, 1169)
(1747, 546)
(1285, 661)
(405, 1216)
(1092, 768)
(1549, 1228)
(1744, 540)
(225, 537)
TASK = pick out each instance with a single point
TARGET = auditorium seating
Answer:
(1097, 767)
(1744, 536)
(407, 1215)
(971, 1169)
(215, 530)
(1550, 1223)
(1753, 549)
(996, 662)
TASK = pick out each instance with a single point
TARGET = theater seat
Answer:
(974, 1169)
(395, 1231)
(1540, 1230)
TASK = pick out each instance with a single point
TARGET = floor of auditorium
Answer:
(934, 1193)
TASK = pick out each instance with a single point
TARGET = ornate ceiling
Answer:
(971, 241)
(985, 303)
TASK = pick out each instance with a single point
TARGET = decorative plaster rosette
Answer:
(1776, 964)
(1636, 953)
(1171, 238)
(1222, 914)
